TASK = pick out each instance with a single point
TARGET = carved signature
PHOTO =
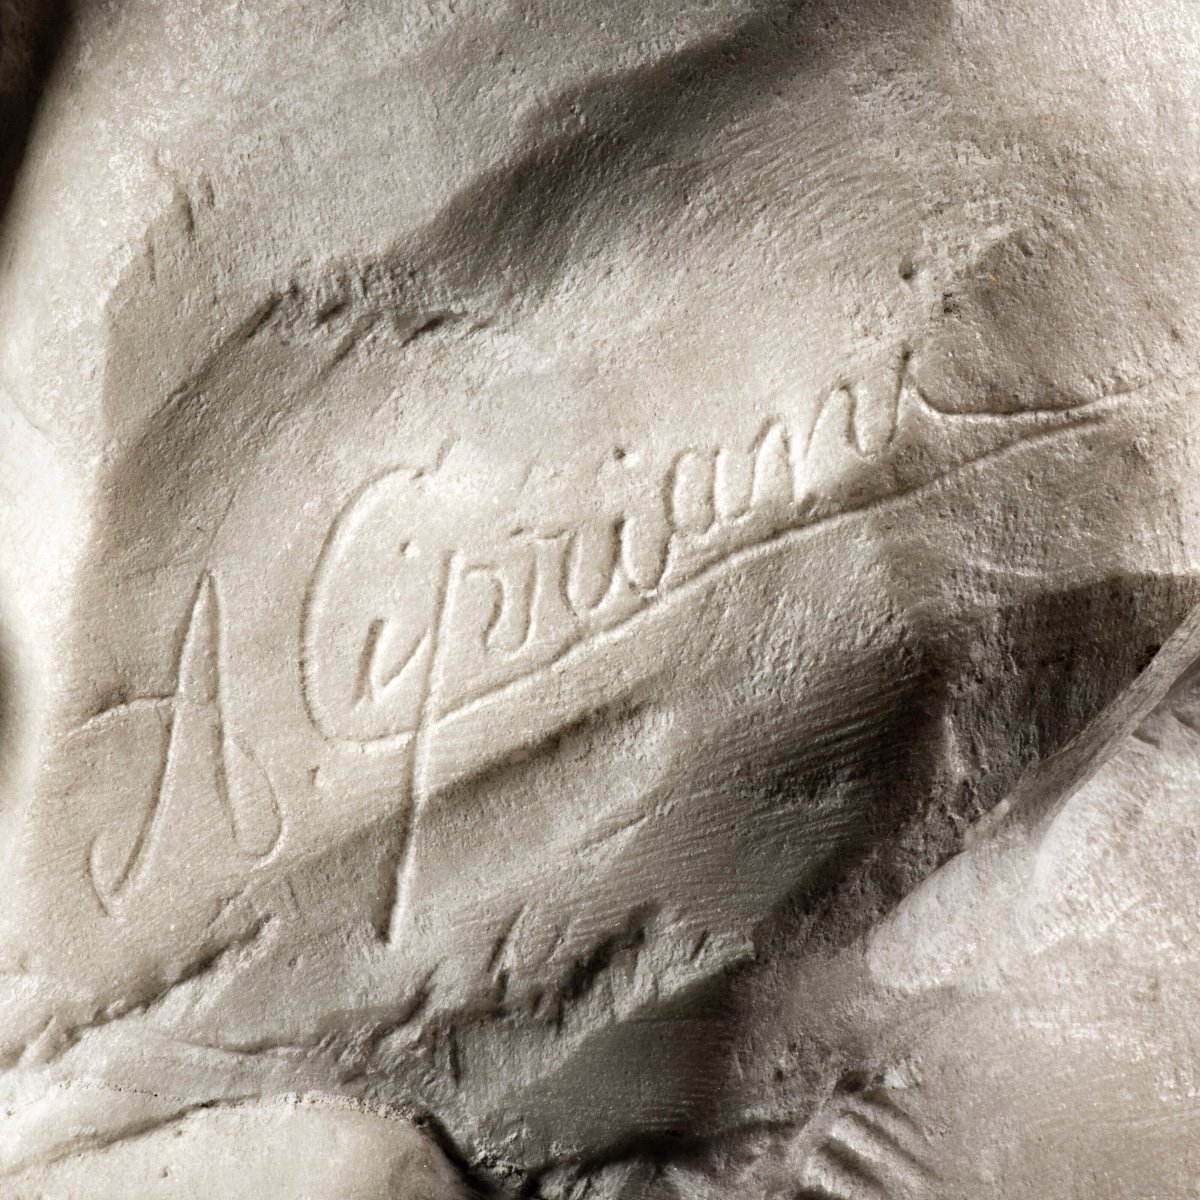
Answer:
(400, 633)
(195, 736)
(408, 621)
(399, 626)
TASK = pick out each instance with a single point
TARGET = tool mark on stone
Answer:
(308, 603)
(193, 712)
(871, 1134)
(259, 318)
(453, 1056)
(620, 831)
(360, 329)
(692, 514)
(503, 941)
(418, 759)
(375, 680)
(870, 1148)
(502, 604)
(1005, 415)
(849, 395)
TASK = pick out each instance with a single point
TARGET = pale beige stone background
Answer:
(766, 433)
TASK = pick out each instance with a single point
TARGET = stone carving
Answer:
(191, 725)
(599, 603)
(547, 591)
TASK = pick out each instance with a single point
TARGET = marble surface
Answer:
(594, 599)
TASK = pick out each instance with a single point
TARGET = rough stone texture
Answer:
(594, 599)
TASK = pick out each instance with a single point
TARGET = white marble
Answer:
(594, 599)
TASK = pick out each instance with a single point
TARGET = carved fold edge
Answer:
(1044, 790)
